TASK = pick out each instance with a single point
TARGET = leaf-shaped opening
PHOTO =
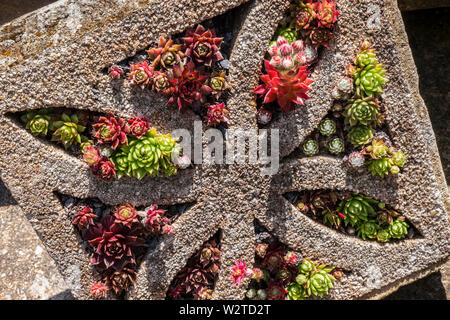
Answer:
(354, 214)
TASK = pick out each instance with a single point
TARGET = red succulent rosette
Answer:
(111, 129)
(326, 13)
(98, 291)
(126, 215)
(112, 243)
(288, 90)
(104, 169)
(203, 47)
(141, 74)
(138, 127)
(217, 113)
(84, 218)
(156, 221)
(187, 86)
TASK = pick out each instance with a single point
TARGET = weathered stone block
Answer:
(69, 74)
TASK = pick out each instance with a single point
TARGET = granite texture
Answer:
(227, 197)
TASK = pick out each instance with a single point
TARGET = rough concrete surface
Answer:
(227, 198)
(34, 275)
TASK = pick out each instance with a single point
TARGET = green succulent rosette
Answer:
(383, 235)
(147, 156)
(367, 230)
(369, 81)
(366, 58)
(335, 145)
(327, 127)
(67, 130)
(398, 229)
(399, 159)
(38, 122)
(381, 167)
(319, 282)
(357, 209)
(306, 267)
(360, 135)
(295, 291)
(289, 34)
(362, 111)
(310, 148)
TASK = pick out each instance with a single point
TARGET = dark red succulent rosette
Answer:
(104, 169)
(187, 86)
(202, 46)
(138, 127)
(112, 243)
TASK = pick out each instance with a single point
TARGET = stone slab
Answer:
(227, 198)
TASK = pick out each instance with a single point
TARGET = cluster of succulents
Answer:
(282, 274)
(294, 48)
(113, 240)
(64, 128)
(381, 159)
(185, 70)
(112, 146)
(353, 214)
(326, 135)
(196, 280)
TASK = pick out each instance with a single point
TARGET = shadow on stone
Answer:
(428, 288)
(6, 198)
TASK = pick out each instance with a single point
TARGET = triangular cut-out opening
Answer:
(354, 214)
(198, 278)
(204, 89)
(118, 237)
(279, 271)
(112, 146)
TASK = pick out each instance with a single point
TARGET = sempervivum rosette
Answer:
(203, 47)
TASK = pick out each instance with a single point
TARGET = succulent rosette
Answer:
(160, 81)
(335, 145)
(363, 111)
(112, 130)
(306, 266)
(84, 218)
(104, 169)
(126, 215)
(38, 123)
(310, 147)
(289, 91)
(156, 221)
(187, 86)
(360, 135)
(166, 54)
(217, 83)
(217, 113)
(319, 282)
(377, 149)
(356, 159)
(202, 46)
(398, 229)
(120, 280)
(68, 130)
(286, 57)
(295, 291)
(320, 37)
(383, 235)
(91, 156)
(326, 13)
(275, 290)
(381, 167)
(115, 72)
(305, 15)
(264, 116)
(289, 34)
(138, 127)
(327, 127)
(98, 291)
(141, 74)
(357, 209)
(369, 81)
(399, 158)
(148, 156)
(112, 243)
(367, 230)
